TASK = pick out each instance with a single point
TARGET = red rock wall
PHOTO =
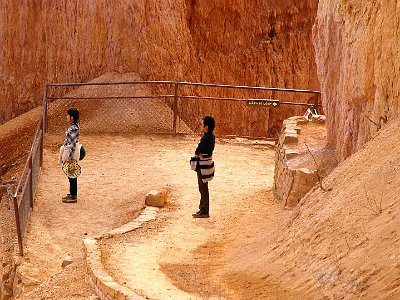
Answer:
(357, 51)
(233, 42)
(262, 43)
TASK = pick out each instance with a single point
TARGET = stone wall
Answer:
(233, 42)
(302, 159)
(357, 48)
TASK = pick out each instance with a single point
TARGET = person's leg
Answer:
(73, 187)
(73, 191)
(205, 197)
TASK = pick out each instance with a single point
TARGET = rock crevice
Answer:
(302, 159)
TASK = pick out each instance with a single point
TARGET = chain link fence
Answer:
(119, 108)
(26, 188)
(171, 107)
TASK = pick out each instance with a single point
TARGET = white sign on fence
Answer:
(272, 103)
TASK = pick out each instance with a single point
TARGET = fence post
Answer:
(41, 144)
(17, 222)
(175, 107)
(44, 120)
(30, 181)
(44, 109)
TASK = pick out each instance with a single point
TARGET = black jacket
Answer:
(206, 144)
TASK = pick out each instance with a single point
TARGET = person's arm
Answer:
(200, 147)
(72, 135)
(204, 146)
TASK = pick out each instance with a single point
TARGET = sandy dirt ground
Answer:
(117, 173)
(339, 243)
(176, 256)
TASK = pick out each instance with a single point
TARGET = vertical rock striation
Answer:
(263, 43)
(357, 50)
(233, 42)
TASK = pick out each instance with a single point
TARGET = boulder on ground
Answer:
(156, 198)
(67, 261)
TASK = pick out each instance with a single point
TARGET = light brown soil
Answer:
(179, 257)
(341, 244)
(111, 192)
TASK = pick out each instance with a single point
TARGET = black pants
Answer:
(73, 186)
(205, 196)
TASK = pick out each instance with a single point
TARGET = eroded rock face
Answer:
(357, 50)
(263, 43)
(233, 42)
(302, 159)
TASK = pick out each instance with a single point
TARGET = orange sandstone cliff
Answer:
(265, 43)
(258, 43)
(357, 50)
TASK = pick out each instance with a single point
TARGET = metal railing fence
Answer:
(172, 107)
(26, 187)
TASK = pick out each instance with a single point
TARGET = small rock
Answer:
(291, 153)
(156, 198)
(67, 261)
(319, 119)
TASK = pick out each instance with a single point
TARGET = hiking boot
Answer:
(199, 214)
(69, 199)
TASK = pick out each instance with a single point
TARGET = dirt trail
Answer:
(112, 191)
(179, 257)
(117, 173)
(341, 243)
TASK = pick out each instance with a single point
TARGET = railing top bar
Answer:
(112, 97)
(111, 83)
(250, 87)
(147, 97)
(180, 97)
(186, 83)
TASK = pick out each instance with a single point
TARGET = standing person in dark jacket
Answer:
(70, 151)
(205, 166)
